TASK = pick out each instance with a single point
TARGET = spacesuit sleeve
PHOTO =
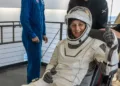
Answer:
(102, 55)
(24, 18)
(53, 61)
(111, 64)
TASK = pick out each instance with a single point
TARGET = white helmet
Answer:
(82, 14)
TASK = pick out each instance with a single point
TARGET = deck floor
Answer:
(16, 76)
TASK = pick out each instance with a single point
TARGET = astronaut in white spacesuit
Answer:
(74, 56)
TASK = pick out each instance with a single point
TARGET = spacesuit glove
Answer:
(53, 71)
(109, 38)
(48, 77)
(111, 48)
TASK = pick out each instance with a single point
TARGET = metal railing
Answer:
(9, 24)
(11, 43)
(14, 24)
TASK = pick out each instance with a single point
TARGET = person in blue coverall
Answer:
(33, 22)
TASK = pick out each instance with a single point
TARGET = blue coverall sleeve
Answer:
(24, 18)
(44, 26)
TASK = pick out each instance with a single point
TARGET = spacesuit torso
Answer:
(73, 64)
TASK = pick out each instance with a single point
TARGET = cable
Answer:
(111, 11)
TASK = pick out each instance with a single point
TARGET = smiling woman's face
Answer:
(77, 28)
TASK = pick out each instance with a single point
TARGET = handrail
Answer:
(13, 23)
(9, 25)
(8, 21)
(19, 21)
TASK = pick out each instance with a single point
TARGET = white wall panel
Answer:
(58, 4)
(11, 53)
(10, 3)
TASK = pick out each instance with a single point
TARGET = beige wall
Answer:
(58, 4)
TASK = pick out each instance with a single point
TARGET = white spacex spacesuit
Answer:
(74, 58)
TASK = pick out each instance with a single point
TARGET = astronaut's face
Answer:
(77, 28)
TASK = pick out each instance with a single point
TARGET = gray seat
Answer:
(98, 79)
